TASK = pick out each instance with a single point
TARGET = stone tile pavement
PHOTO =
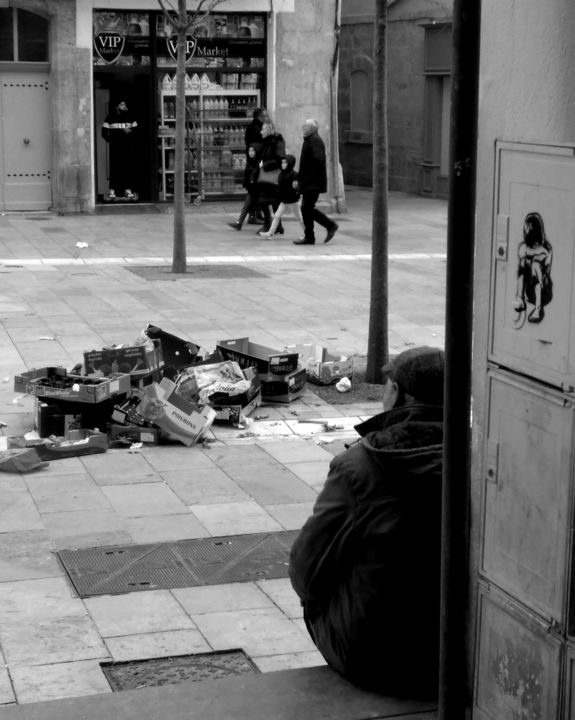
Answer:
(57, 300)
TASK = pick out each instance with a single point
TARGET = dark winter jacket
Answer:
(115, 124)
(286, 191)
(312, 164)
(251, 171)
(272, 150)
(253, 133)
(366, 564)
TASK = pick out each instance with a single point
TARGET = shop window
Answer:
(23, 36)
(437, 49)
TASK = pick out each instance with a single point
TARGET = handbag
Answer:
(269, 177)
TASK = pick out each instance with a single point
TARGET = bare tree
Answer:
(185, 24)
(378, 339)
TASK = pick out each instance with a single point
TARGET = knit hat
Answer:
(420, 373)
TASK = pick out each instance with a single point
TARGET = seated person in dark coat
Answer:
(366, 564)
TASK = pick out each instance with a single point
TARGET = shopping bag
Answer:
(269, 177)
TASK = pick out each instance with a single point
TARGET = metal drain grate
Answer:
(187, 563)
(168, 671)
(217, 271)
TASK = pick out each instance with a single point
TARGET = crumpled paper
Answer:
(344, 385)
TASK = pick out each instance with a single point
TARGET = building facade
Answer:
(66, 65)
(418, 94)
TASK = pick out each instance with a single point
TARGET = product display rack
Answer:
(216, 120)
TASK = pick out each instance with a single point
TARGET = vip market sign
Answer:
(109, 46)
(172, 43)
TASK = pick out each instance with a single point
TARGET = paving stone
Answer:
(146, 499)
(288, 661)
(313, 473)
(26, 555)
(66, 493)
(257, 632)
(221, 598)
(204, 486)
(156, 644)
(297, 452)
(86, 528)
(6, 689)
(235, 518)
(173, 457)
(18, 512)
(119, 467)
(137, 613)
(59, 680)
(165, 528)
(291, 516)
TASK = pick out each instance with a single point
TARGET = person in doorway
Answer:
(366, 564)
(251, 172)
(312, 180)
(288, 196)
(119, 131)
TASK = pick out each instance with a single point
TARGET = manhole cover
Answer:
(187, 563)
(168, 671)
(217, 271)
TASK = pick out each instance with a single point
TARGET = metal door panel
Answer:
(25, 135)
(534, 180)
(527, 480)
(518, 663)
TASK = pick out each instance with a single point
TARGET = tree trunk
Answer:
(377, 347)
(179, 249)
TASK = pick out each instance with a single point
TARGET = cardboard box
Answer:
(323, 367)
(133, 359)
(133, 433)
(57, 417)
(264, 359)
(55, 383)
(177, 417)
(283, 388)
(176, 352)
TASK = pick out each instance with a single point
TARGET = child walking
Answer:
(287, 195)
(251, 171)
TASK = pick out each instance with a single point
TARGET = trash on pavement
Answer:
(177, 353)
(322, 367)
(20, 460)
(180, 419)
(56, 382)
(264, 359)
(141, 357)
(344, 385)
(283, 388)
(232, 392)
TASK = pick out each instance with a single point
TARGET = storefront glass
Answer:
(135, 61)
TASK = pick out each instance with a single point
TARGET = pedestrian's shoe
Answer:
(331, 232)
(263, 233)
(253, 220)
(303, 241)
(280, 230)
(263, 229)
(235, 225)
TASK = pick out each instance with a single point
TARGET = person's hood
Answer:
(410, 438)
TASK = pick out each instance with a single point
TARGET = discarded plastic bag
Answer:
(344, 385)
(20, 460)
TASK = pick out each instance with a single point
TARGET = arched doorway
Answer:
(25, 117)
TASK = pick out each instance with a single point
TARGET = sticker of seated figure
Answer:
(534, 283)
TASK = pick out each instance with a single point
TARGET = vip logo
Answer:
(172, 43)
(109, 46)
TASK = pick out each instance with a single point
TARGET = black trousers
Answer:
(310, 214)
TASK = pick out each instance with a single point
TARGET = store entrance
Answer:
(124, 148)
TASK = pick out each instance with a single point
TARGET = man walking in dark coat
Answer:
(366, 564)
(312, 180)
